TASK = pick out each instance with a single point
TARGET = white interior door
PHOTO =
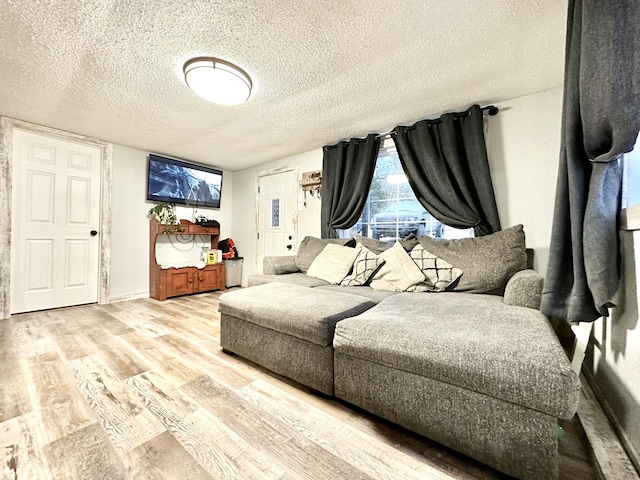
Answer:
(277, 214)
(55, 218)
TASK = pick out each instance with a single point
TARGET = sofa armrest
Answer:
(524, 289)
(279, 265)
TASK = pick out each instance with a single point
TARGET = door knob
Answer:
(289, 247)
(290, 237)
(93, 233)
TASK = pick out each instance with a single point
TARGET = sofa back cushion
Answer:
(310, 248)
(379, 246)
(487, 262)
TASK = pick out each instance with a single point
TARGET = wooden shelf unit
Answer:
(171, 282)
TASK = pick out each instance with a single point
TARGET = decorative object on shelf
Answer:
(217, 81)
(312, 182)
(165, 214)
(206, 222)
(212, 257)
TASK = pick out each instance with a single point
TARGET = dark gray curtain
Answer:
(347, 171)
(447, 167)
(600, 122)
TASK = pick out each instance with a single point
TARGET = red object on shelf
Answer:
(232, 252)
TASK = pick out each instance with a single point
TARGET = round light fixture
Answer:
(217, 81)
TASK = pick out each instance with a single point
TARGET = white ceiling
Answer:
(323, 70)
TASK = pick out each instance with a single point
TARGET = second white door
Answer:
(277, 202)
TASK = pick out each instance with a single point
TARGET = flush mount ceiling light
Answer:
(217, 81)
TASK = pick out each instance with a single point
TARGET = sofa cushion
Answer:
(310, 248)
(278, 265)
(398, 273)
(471, 341)
(438, 273)
(487, 262)
(374, 295)
(333, 263)
(379, 246)
(365, 266)
(302, 312)
(298, 278)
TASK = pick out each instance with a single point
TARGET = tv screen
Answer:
(175, 181)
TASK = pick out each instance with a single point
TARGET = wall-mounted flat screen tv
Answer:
(175, 181)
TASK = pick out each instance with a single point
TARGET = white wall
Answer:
(614, 357)
(523, 144)
(244, 231)
(130, 225)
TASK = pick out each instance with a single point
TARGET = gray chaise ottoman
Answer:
(484, 378)
(287, 328)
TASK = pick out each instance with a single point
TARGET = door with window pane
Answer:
(277, 204)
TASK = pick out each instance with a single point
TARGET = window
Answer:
(392, 210)
(630, 215)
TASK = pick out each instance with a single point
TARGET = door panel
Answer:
(79, 201)
(209, 278)
(77, 258)
(180, 281)
(277, 215)
(55, 205)
(39, 266)
(39, 199)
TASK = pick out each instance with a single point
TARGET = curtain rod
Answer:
(490, 110)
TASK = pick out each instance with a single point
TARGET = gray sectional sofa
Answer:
(475, 367)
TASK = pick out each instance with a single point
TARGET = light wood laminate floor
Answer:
(141, 389)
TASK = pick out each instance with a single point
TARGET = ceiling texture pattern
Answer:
(322, 70)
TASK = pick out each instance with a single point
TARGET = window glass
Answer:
(392, 210)
(275, 213)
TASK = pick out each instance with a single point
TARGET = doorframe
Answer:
(7, 126)
(267, 173)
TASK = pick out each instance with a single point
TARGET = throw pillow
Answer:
(487, 262)
(333, 263)
(379, 246)
(398, 273)
(438, 273)
(365, 266)
(310, 248)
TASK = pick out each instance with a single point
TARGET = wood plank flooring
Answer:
(141, 390)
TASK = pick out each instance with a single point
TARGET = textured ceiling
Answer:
(322, 70)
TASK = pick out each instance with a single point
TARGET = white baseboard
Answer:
(129, 296)
(612, 449)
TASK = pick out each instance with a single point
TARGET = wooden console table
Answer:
(170, 282)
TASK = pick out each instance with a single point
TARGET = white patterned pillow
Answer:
(438, 273)
(365, 266)
(333, 263)
(398, 273)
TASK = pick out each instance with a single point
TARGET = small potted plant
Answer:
(165, 214)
